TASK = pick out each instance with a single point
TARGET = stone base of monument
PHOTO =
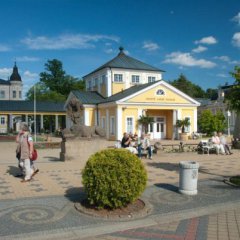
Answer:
(81, 149)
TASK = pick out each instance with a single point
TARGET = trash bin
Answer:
(188, 177)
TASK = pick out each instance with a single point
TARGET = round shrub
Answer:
(113, 178)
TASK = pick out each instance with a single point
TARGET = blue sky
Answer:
(200, 39)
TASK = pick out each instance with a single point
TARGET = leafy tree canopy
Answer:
(209, 123)
(55, 84)
(191, 89)
(233, 96)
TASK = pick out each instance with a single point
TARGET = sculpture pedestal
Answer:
(81, 149)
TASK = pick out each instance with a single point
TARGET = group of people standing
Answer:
(220, 143)
(24, 153)
(137, 144)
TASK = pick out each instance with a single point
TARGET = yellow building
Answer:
(123, 89)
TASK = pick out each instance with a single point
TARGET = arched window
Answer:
(160, 92)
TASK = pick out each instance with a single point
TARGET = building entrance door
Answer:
(159, 128)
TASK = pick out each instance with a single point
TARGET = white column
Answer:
(26, 118)
(11, 121)
(41, 121)
(139, 125)
(195, 120)
(107, 123)
(179, 114)
(109, 83)
(95, 116)
(86, 117)
(68, 122)
(56, 122)
(119, 123)
(174, 135)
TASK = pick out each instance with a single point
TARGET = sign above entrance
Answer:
(161, 99)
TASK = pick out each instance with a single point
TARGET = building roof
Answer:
(4, 82)
(203, 101)
(15, 75)
(90, 97)
(28, 106)
(93, 97)
(127, 92)
(126, 62)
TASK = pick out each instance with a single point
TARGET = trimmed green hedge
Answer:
(113, 178)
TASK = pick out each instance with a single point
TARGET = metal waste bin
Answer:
(188, 177)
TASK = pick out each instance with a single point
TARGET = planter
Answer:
(183, 136)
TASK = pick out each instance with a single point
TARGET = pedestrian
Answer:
(223, 141)
(25, 141)
(144, 144)
(217, 144)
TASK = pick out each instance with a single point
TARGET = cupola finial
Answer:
(121, 49)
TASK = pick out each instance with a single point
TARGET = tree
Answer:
(183, 123)
(209, 123)
(55, 84)
(233, 97)
(145, 121)
(212, 93)
(184, 85)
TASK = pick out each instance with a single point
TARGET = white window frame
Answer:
(151, 79)
(2, 120)
(135, 79)
(188, 129)
(103, 122)
(162, 92)
(14, 94)
(118, 78)
(2, 94)
(112, 125)
(133, 121)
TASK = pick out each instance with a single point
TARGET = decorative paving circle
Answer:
(38, 214)
(212, 190)
(172, 198)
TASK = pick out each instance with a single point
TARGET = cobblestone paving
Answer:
(46, 204)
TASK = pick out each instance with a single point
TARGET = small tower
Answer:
(15, 84)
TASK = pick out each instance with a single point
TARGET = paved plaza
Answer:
(44, 207)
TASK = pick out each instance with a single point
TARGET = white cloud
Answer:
(222, 75)
(199, 49)
(223, 58)
(237, 18)
(5, 73)
(207, 40)
(29, 75)
(67, 41)
(150, 46)
(236, 39)
(27, 59)
(109, 51)
(186, 59)
(4, 48)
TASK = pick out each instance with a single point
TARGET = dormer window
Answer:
(151, 79)
(135, 78)
(118, 78)
(14, 94)
(160, 92)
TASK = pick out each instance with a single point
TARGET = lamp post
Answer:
(229, 115)
(35, 117)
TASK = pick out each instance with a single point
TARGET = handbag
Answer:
(34, 155)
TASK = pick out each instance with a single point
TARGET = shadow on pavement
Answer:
(53, 159)
(165, 166)
(206, 171)
(75, 194)
(167, 186)
(13, 170)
